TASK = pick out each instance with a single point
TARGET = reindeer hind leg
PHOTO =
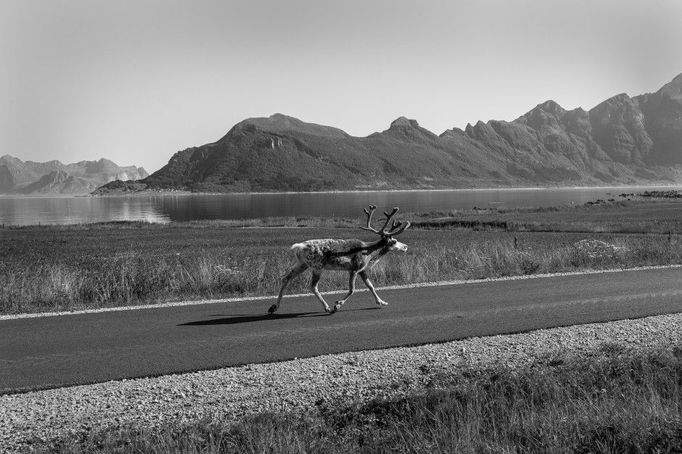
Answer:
(351, 290)
(313, 288)
(295, 271)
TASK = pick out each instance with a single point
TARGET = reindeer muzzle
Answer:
(398, 246)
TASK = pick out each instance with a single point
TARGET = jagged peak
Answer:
(404, 122)
(480, 130)
(404, 126)
(677, 81)
(537, 114)
(673, 89)
(551, 106)
(454, 131)
(8, 159)
(621, 98)
(619, 101)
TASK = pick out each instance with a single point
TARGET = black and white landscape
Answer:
(409, 257)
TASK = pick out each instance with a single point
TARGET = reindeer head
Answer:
(387, 235)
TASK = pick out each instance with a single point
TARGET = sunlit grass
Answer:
(611, 401)
(136, 278)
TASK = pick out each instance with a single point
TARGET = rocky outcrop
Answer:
(618, 127)
(663, 122)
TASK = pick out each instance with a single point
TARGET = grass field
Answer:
(651, 216)
(105, 265)
(613, 401)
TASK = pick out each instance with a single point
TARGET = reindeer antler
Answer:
(388, 218)
(397, 227)
(370, 212)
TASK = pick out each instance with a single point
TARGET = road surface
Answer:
(46, 352)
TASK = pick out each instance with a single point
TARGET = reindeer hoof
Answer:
(382, 303)
(272, 309)
(337, 306)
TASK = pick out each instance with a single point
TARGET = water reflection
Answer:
(76, 210)
(243, 206)
(72, 210)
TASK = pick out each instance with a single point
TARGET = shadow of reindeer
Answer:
(250, 318)
(244, 318)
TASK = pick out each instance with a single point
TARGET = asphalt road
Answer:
(46, 352)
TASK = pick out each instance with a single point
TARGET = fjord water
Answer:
(166, 208)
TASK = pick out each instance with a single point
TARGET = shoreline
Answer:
(360, 191)
(182, 193)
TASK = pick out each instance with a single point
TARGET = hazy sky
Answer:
(135, 81)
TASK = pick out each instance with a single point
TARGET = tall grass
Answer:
(132, 280)
(615, 401)
(136, 278)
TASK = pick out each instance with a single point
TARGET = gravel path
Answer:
(300, 384)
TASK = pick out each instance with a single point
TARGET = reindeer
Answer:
(354, 256)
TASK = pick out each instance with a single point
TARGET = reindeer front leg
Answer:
(313, 288)
(351, 289)
(368, 283)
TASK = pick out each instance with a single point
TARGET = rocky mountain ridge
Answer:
(623, 140)
(54, 177)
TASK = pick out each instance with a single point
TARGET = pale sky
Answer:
(137, 80)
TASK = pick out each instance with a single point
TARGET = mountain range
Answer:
(53, 177)
(623, 140)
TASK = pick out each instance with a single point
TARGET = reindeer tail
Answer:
(298, 247)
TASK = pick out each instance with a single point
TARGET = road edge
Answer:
(298, 295)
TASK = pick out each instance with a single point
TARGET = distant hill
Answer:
(53, 177)
(623, 140)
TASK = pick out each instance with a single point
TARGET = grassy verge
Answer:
(106, 265)
(648, 216)
(612, 401)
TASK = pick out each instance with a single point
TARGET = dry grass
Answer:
(136, 277)
(614, 401)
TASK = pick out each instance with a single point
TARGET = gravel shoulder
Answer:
(302, 384)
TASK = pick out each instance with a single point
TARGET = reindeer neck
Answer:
(373, 256)
(360, 247)
(376, 249)
(371, 247)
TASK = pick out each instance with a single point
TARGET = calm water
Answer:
(73, 210)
